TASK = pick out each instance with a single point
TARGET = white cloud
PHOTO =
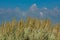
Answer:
(32, 10)
(45, 8)
(41, 14)
(55, 12)
(33, 7)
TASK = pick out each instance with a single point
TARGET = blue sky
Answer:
(25, 4)
(34, 8)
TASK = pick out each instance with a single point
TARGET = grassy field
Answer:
(31, 29)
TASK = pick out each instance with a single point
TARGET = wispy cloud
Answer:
(2, 10)
(34, 7)
(41, 14)
(9, 10)
(17, 10)
(55, 12)
(33, 10)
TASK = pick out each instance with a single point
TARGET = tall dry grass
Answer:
(31, 29)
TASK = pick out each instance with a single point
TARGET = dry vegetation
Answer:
(31, 29)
